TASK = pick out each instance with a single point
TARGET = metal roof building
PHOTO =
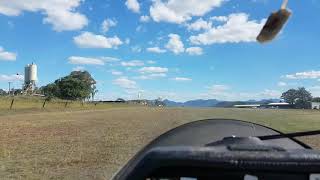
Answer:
(247, 106)
(315, 105)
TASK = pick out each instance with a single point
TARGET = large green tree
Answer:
(290, 96)
(300, 97)
(50, 90)
(79, 85)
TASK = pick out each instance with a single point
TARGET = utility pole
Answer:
(9, 91)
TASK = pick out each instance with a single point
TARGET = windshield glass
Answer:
(85, 85)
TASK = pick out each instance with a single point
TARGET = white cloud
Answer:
(153, 70)
(109, 59)
(181, 79)
(132, 63)
(304, 75)
(127, 41)
(107, 24)
(116, 73)
(66, 21)
(156, 50)
(152, 76)
(223, 92)
(125, 83)
(60, 13)
(78, 68)
(217, 88)
(177, 11)
(220, 91)
(90, 40)
(158, 75)
(237, 29)
(219, 18)
(140, 28)
(136, 49)
(175, 44)
(270, 93)
(144, 18)
(13, 77)
(282, 84)
(7, 56)
(154, 94)
(151, 62)
(194, 51)
(133, 5)
(85, 60)
(200, 24)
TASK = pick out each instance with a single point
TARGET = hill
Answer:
(215, 103)
(192, 103)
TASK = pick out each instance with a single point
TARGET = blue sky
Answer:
(175, 49)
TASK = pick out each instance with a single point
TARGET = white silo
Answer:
(30, 77)
(33, 73)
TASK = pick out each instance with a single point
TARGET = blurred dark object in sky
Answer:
(274, 24)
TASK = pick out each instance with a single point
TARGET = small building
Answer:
(281, 105)
(120, 100)
(315, 105)
(253, 106)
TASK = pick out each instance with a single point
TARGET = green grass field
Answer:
(94, 144)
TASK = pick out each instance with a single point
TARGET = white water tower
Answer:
(30, 77)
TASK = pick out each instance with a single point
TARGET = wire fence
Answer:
(17, 103)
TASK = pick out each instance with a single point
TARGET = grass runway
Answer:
(94, 144)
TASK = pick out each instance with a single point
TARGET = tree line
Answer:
(299, 98)
(78, 85)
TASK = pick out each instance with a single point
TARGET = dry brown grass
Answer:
(29, 103)
(93, 144)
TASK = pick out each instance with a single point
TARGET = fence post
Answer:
(44, 103)
(11, 105)
(66, 104)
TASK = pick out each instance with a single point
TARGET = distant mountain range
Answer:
(192, 103)
(215, 103)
